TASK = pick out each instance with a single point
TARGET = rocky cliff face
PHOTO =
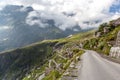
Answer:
(106, 37)
(115, 22)
(115, 50)
(107, 27)
(118, 40)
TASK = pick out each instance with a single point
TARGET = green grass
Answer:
(23, 60)
(79, 37)
(89, 41)
(29, 58)
(100, 44)
(55, 74)
(65, 43)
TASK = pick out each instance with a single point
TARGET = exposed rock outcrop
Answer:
(115, 51)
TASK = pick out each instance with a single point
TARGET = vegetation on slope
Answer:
(31, 61)
(65, 51)
(18, 62)
(51, 58)
(56, 74)
(105, 38)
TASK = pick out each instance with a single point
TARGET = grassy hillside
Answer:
(18, 62)
(106, 39)
(68, 49)
(51, 58)
(33, 59)
(62, 49)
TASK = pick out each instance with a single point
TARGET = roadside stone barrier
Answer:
(115, 51)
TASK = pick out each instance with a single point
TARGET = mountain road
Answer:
(94, 67)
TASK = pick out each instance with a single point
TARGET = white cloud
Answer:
(9, 2)
(115, 16)
(86, 10)
(61, 20)
(5, 39)
(31, 21)
(4, 27)
(38, 7)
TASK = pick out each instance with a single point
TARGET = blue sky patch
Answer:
(115, 8)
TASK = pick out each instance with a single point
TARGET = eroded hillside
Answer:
(16, 64)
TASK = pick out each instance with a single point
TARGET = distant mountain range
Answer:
(15, 32)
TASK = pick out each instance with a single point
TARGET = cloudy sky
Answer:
(67, 13)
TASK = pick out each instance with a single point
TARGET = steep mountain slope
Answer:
(101, 41)
(68, 49)
(41, 58)
(105, 37)
(16, 31)
(15, 64)
(49, 57)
